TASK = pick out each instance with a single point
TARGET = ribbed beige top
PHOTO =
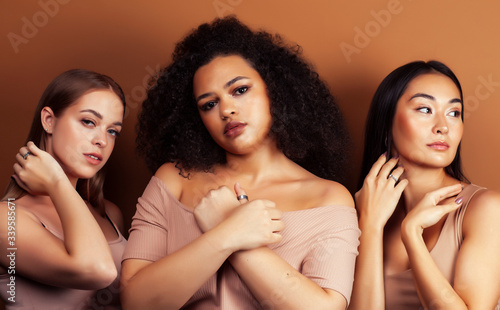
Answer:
(321, 243)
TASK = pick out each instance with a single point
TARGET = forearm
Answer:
(368, 290)
(83, 238)
(169, 282)
(276, 284)
(434, 290)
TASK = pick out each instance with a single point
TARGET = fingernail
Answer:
(459, 200)
(385, 154)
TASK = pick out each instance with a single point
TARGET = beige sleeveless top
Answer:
(400, 290)
(30, 294)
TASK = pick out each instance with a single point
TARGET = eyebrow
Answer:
(227, 85)
(99, 116)
(426, 96)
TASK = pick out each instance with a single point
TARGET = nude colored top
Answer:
(400, 290)
(321, 243)
(30, 294)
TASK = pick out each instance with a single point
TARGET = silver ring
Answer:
(393, 177)
(28, 153)
(242, 197)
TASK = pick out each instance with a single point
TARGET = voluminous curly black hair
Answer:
(307, 123)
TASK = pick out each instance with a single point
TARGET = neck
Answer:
(47, 147)
(422, 180)
(258, 166)
(72, 180)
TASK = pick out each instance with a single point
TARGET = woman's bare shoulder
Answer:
(333, 193)
(484, 207)
(171, 176)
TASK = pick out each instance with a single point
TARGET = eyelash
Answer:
(88, 122)
(112, 132)
(458, 113)
(428, 109)
(208, 106)
(237, 92)
(245, 88)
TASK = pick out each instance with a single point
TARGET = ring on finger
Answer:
(242, 197)
(25, 156)
(393, 177)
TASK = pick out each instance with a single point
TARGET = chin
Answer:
(84, 173)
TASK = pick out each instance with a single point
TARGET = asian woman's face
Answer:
(83, 136)
(233, 104)
(427, 127)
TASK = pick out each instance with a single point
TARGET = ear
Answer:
(48, 119)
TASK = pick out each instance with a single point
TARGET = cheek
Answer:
(209, 122)
(402, 130)
(458, 132)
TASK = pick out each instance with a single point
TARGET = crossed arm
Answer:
(238, 233)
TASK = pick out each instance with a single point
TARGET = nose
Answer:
(441, 126)
(227, 107)
(100, 138)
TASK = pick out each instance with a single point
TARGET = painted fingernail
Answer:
(459, 200)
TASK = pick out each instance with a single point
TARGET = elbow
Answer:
(105, 275)
(99, 275)
(333, 300)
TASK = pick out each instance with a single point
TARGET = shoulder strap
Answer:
(468, 192)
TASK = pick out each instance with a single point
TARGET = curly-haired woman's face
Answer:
(427, 126)
(233, 104)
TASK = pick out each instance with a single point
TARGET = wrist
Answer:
(369, 226)
(59, 185)
(220, 240)
(410, 231)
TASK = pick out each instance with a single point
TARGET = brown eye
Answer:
(240, 90)
(424, 110)
(208, 106)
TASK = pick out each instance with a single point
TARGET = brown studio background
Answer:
(352, 44)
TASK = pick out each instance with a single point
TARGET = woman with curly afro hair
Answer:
(244, 210)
